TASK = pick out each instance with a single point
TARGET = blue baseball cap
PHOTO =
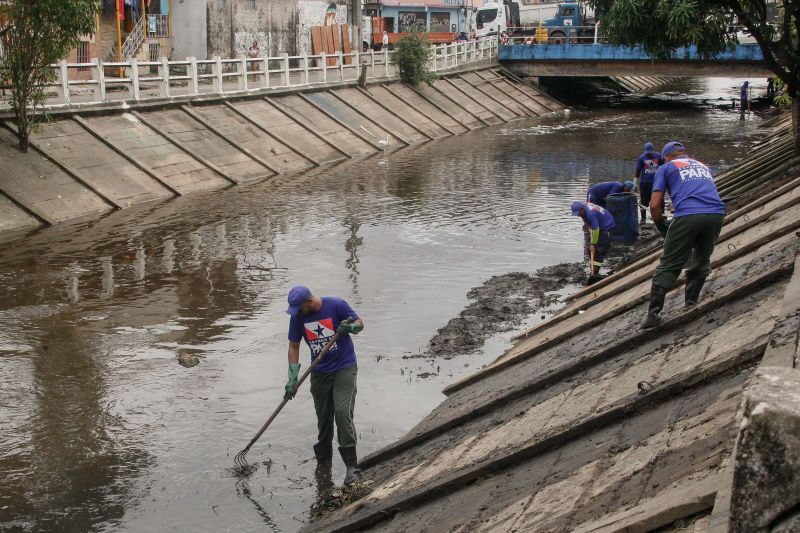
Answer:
(630, 185)
(297, 296)
(648, 147)
(671, 147)
(576, 207)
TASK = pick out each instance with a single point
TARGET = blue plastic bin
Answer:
(624, 207)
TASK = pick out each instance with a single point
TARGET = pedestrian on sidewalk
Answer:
(384, 42)
(646, 167)
(599, 192)
(597, 226)
(333, 381)
(693, 231)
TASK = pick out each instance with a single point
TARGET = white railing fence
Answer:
(137, 81)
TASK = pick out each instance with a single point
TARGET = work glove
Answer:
(662, 226)
(347, 327)
(294, 370)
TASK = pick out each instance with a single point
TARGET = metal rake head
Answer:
(240, 460)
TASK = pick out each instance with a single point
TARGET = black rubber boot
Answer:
(657, 295)
(323, 451)
(350, 459)
(693, 288)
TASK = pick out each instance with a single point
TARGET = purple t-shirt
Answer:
(596, 217)
(691, 187)
(598, 193)
(317, 328)
(647, 166)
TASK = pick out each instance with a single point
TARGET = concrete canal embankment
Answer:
(92, 162)
(591, 424)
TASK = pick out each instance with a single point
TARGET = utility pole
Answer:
(355, 9)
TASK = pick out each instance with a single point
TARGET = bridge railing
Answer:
(99, 82)
(565, 35)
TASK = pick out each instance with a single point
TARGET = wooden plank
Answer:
(347, 47)
(330, 48)
(317, 43)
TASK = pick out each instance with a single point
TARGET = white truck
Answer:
(511, 17)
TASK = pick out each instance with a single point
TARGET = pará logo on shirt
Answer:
(693, 170)
(318, 334)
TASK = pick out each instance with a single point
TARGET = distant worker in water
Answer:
(333, 381)
(599, 192)
(646, 167)
(694, 230)
(597, 226)
(744, 98)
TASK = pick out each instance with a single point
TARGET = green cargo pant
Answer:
(334, 399)
(692, 234)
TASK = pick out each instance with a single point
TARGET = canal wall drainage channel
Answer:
(637, 84)
(93, 162)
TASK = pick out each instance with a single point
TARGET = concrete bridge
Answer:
(588, 60)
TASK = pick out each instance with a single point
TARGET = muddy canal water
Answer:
(102, 429)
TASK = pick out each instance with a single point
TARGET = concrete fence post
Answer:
(596, 26)
(372, 62)
(340, 63)
(286, 70)
(306, 81)
(324, 60)
(164, 68)
(385, 63)
(243, 83)
(357, 62)
(135, 89)
(218, 79)
(267, 81)
(63, 74)
(194, 85)
(99, 77)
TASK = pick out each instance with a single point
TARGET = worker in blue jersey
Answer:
(693, 231)
(597, 226)
(599, 192)
(646, 167)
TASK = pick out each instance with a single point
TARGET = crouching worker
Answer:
(333, 381)
(597, 226)
(694, 229)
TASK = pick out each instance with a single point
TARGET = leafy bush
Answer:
(411, 55)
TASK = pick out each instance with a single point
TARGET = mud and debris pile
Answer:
(500, 304)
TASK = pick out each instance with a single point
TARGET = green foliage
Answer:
(780, 99)
(40, 33)
(411, 55)
(664, 25)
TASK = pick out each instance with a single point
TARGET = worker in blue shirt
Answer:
(599, 192)
(694, 230)
(646, 167)
(597, 225)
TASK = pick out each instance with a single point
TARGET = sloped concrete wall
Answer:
(93, 162)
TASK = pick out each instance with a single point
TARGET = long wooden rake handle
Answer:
(305, 375)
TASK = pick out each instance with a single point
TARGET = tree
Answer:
(39, 33)
(712, 25)
(411, 55)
